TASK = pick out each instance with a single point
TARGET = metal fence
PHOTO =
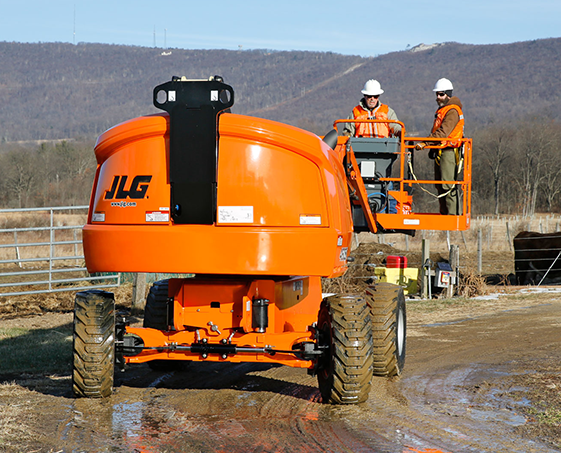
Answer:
(47, 257)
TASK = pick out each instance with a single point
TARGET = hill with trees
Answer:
(69, 94)
(59, 91)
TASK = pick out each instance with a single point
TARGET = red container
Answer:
(394, 261)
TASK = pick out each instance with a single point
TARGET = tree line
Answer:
(58, 174)
(516, 170)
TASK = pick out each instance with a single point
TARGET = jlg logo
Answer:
(136, 191)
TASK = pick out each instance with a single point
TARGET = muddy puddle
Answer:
(272, 410)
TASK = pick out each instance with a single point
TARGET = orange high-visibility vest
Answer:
(379, 130)
(458, 131)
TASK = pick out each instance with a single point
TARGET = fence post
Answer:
(508, 237)
(454, 259)
(76, 246)
(479, 251)
(425, 272)
(138, 292)
(465, 242)
(490, 237)
(52, 252)
(17, 249)
(355, 242)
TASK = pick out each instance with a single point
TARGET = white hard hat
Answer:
(443, 85)
(372, 88)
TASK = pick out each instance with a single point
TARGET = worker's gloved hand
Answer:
(432, 153)
(420, 145)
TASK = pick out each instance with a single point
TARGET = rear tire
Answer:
(157, 315)
(93, 344)
(156, 309)
(389, 328)
(345, 329)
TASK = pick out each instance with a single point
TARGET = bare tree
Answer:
(495, 145)
(551, 182)
(20, 174)
(535, 143)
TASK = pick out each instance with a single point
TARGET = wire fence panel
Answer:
(41, 252)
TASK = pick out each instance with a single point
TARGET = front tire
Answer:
(93, 344)
(345, 330)
(389, 328)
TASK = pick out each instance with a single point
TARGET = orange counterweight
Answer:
(282, 207)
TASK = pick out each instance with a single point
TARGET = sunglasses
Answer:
(375, 96)
(440, 95)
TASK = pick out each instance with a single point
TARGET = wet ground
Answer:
(456, 395)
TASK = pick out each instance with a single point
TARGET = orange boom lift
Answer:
(256, 212)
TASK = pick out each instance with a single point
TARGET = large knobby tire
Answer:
(389, 328)
(157, 315)
(156, 309)
(93, 344)
(345, 371)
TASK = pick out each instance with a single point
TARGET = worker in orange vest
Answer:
(448, 123)
(370, 108)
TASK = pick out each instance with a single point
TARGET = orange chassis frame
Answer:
(291, 315)
(218, 327)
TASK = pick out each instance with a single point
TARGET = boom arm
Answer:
(358, 190)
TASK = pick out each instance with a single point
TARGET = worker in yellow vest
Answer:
(448, 123)
(370, 108)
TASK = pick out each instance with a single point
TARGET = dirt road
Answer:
(460, 392)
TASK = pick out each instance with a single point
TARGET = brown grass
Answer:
(471, 285)
(36, 219)
(542, 388)
(62, 302)
(14, 431)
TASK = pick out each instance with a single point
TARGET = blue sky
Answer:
(356, 27)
